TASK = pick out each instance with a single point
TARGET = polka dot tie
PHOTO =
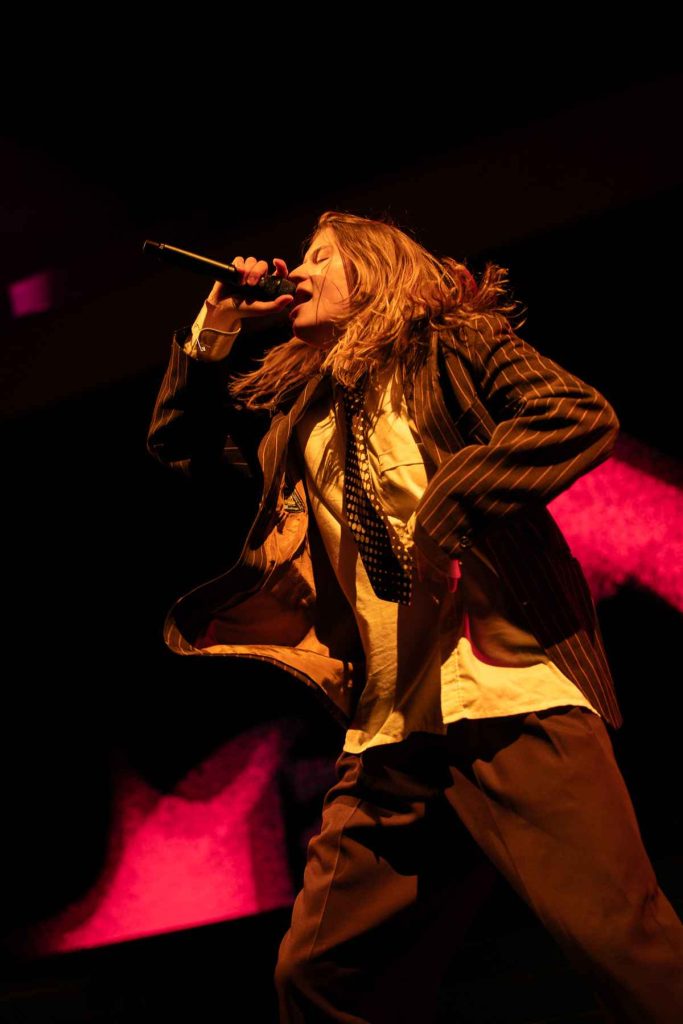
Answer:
(389, 570)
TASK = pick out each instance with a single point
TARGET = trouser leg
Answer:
(543, 796)
(390, 885)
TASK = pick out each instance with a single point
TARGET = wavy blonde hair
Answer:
(399, 293)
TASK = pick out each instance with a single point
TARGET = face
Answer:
(322, 290)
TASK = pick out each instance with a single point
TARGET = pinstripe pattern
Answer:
(508, 430)
(505, 429)
(553, 428)
(193, 428)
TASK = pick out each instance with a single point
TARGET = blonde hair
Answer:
(399, 293)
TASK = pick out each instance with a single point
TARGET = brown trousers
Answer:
(390, 885)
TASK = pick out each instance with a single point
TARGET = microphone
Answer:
(267, 289)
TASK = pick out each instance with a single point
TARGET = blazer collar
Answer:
(273, 447)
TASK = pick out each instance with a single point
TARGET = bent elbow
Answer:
(612, 424)
(155, 449)
(606, 436)
(162, 456)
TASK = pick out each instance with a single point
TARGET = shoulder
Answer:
(478, 339)
(482, 329)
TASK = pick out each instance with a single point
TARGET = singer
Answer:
(402, 564)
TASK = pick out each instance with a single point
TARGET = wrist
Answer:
(433, 553)
(225, 322)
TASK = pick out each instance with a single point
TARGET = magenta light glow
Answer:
(38, 293)
(624, 521)
(211, 851)
(214, 849)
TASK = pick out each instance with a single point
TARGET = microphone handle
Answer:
(267, 289)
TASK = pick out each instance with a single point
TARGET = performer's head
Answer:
(322, 276)
(376, 297)
(367, 278)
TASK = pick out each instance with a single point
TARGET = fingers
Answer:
(283, 300)
(280, 268)
(251, 270)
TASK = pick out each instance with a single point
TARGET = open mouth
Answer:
(303, 297)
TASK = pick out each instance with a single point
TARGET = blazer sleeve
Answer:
(550, 429)
(197, 429)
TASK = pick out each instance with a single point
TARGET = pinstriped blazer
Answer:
(503, 429)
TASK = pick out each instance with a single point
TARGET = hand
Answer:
(428, 570)
(224, 311)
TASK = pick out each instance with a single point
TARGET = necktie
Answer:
(388, 572)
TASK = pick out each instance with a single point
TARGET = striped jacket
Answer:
(503, 430)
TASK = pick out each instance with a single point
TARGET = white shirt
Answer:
(446, 656)
(428, 663)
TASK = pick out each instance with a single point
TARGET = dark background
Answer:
(567, 172)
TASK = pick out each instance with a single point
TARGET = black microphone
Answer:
(267, 289)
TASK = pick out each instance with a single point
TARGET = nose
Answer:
(298, 274)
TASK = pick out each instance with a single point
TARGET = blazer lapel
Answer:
(272, 450)
(437, 408)
(443, 403)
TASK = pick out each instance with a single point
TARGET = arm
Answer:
(196, 428)
(207, 342)
(550, 429)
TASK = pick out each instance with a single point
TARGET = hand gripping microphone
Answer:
(267, 289)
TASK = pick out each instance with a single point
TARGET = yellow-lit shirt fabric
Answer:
(446, 656)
